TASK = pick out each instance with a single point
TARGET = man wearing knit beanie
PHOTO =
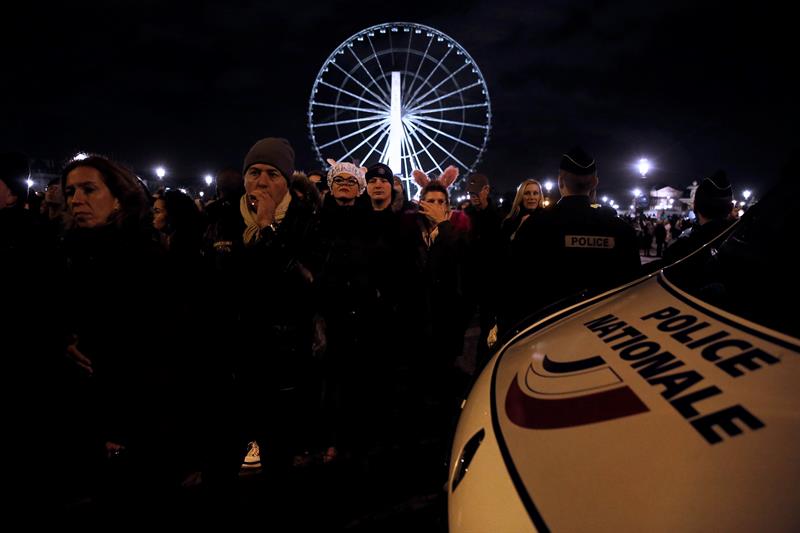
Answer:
(273, 151)
(274, 365)
(268, 167)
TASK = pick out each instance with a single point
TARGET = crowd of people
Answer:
(335, 312)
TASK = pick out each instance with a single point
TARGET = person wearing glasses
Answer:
(349, 301)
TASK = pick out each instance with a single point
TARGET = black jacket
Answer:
(569, 248)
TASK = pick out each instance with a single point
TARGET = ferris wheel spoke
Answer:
(441, 109)
(375, 146)
(454, 122)
(348, 93)
(379, 97)
(386, 147)
(386, 96)
(423, 105)
(413, 160)
(350, 121)
(374, 125)
(405, 157)
(408, 56)
(440, 132)
(442, 148)
(359, 145)
(412, 130)
(378, 61)
(351, 108)
(419, 67)
(421, 85)
(432, 89)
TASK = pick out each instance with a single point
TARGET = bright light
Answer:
(183, 191)
(548, 185)
(202, 194)
(637, 192)
(501, 200)
(747, 194)
(209, 179)
(741, 204)
(160, 172)
(546, 203)
(29, 182)
(644, 166)
(605, 198)
(80, 156)
(733, 202)
(741, 212)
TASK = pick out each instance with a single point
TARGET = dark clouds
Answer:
(694, 85)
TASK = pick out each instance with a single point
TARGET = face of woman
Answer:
(344, 187)
(160, 215)
(89, 199)
(531, 196)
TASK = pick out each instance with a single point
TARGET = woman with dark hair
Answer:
(176, 217)
(100, 192)
(305, 191)
(127, 401)
(527, 200)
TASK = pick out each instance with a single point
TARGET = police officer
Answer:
(570, 247)
(712, 204)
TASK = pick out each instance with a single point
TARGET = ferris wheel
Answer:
(403, 94)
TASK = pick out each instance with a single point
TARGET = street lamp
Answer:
(644, 167)
(548, 184)
(160, 172)
(747, 194)
(637, 192)
(209, 179)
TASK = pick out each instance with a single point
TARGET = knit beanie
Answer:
(273, 151)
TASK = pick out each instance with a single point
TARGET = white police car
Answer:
(668, 404)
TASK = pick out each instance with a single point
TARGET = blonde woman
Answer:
(529, 198)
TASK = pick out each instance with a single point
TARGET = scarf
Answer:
(251, 227)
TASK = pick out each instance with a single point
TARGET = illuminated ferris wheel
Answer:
(403, 94)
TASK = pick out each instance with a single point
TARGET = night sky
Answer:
(694, 86)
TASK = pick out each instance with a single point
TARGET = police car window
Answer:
(749, 270)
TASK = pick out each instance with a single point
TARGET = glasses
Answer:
(338, 180)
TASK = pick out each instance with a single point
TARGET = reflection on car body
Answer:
(666, 404)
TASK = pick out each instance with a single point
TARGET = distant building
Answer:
(665, 201)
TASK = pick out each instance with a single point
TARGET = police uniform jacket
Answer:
(570, 248)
